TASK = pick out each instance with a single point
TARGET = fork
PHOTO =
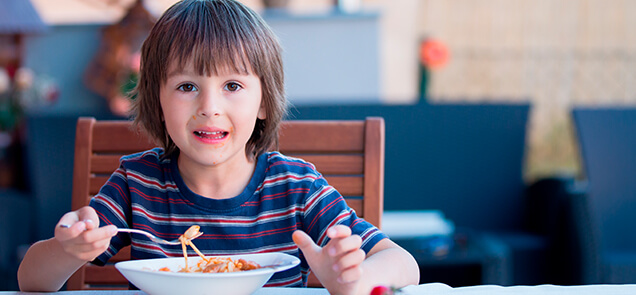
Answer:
(141, 232)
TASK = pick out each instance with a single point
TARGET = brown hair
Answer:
(214, 34)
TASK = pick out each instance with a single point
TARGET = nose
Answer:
(210, 105)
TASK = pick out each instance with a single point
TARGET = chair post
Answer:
(81, 170)
(82, 165)
(374, 170)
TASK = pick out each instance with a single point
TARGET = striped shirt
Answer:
(284, 194)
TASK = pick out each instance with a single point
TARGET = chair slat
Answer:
(104, 275)
(104, 164)
(331, 136)
(334, 164)
(357, 205)
(96, 183)
(118, 137)
(346, 185)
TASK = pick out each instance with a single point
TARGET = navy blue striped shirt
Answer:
(284, 194)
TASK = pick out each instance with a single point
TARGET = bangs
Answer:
(220, 45)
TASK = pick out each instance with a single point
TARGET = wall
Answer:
(62, 54)
(554, 54)
(328, 57)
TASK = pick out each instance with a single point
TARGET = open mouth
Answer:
(211, 135)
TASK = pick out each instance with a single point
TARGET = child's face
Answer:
(210, 118)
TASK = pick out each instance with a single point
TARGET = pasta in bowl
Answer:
(147, 274)
(238, 274)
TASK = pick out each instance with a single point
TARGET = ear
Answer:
(262, 112)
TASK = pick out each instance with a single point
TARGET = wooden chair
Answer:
(350, 154)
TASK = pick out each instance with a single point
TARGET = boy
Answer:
(211, 94)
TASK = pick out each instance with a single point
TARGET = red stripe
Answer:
(120, 190)
(110, 205)
(286, 283)
(323, 211)
(148, 163)
(333, 222)
(152, 182)
(102, 218)
(292, 163)
(289, 176)
(250, 235)
(290, 212)
(284, 194)
(158, 199)
(368, 234)
(314, 200)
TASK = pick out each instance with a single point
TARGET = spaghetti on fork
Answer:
(212, 264)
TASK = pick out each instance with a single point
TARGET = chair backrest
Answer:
(607, 139)
(349, 153)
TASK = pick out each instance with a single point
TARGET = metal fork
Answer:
(141, 232)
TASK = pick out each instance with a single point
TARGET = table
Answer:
(442, 289)
(261, 291)
(425, 289)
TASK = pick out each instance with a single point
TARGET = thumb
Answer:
(305, 243)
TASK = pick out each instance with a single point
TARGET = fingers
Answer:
(87, 213)
(305, 243)
(345, 250)
(82, 243)
(80, 235)
(348, 266)
(344, 245)
(338, 231)
(83, 219)
(85, 232)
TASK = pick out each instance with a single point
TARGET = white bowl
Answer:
(145, 275)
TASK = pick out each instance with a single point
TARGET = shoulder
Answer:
(279, 163)
(150, 158)
(146, 164)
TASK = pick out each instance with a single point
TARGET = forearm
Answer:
(46, 267)
(389, 267)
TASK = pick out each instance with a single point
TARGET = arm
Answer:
(49, 263)
(343, 268)
(390, 265)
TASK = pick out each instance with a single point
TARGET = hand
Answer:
(84, 239)
(338, 264)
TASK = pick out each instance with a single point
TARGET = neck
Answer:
(222, 181)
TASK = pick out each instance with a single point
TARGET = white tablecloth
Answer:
(424, 289)
(442, 289)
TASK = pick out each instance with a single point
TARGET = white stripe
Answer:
(369, 238)
(287, 177)
(160, 186)
(323, 233)
(147, 246)
(214, 220)
(319, 196)
(287, 280)
(109, 203)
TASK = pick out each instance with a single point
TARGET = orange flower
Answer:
(433, 54)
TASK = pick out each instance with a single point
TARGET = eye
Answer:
(232, 87)
(187, 87)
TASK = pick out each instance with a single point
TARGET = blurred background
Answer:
(410, 61)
